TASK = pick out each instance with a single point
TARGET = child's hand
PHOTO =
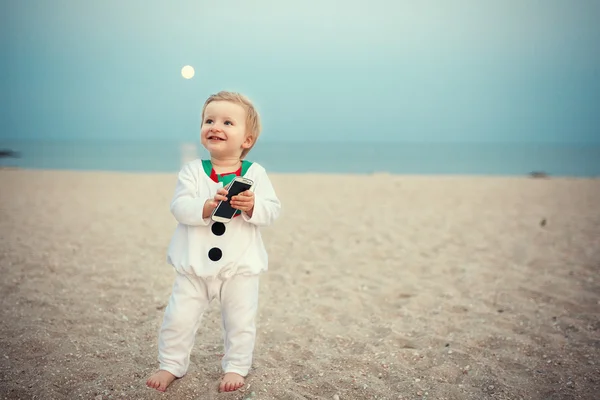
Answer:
(211, 204)
(244, 202)
(219, 196)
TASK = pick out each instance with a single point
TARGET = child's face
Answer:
(223, 130)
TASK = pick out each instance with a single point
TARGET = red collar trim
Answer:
(215, 177)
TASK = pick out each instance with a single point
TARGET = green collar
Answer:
(208, 169)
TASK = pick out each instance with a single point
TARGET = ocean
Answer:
(510, 159)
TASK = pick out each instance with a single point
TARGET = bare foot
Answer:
(160, 380)
(230, 382)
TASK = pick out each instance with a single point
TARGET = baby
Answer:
(213, 259)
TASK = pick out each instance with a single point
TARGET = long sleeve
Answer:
(187, 206)
(267, 206)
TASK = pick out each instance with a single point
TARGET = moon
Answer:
(187, 72)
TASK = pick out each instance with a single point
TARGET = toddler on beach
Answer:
(213, 259)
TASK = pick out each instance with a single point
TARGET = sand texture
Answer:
(380, 287)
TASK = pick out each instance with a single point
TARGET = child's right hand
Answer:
(211, 204)
(221, 195)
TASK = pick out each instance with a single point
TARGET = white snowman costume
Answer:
(215, 260)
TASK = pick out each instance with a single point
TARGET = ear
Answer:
(248, 142)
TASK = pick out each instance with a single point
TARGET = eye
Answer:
(208, 121)
(228, 123)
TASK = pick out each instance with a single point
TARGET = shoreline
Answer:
(532, 175)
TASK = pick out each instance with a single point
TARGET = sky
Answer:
(326, 70)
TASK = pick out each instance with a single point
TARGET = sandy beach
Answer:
(380, 287)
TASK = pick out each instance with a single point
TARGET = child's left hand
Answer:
(243, 202)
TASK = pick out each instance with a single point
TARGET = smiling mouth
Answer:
(212, 137)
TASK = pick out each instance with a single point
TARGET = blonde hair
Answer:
(253, 126)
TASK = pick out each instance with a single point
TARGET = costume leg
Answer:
(239, 303)
(182, 319)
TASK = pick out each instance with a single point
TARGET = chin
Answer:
(216, 145)
(218, 151)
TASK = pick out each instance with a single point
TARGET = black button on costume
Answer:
(215, 254)
(218, 228)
